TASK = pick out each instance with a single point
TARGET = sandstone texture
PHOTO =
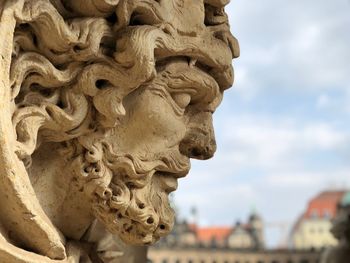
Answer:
(102, 105)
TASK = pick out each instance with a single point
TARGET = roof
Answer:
(207, 234)
(324, 205)
(193, 227)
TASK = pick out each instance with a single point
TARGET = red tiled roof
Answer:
(193, 227)
(207, 234)
(324, 204)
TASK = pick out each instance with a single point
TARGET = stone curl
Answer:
(65, 77)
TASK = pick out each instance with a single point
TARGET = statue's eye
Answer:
(182, 99)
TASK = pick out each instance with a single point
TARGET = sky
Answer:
(283, 130)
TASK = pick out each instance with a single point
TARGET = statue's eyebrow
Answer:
(202, 86)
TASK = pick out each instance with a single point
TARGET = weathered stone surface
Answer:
(102, 104)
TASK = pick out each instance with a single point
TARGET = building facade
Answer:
(242, 236)
(313, 229)
(248, 236)
(230, 256)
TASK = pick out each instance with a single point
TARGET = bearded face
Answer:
(130, 169)
(129, 87)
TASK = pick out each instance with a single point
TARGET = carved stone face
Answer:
(167, 121)
(126, 90)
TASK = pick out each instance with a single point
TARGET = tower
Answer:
(256, 227)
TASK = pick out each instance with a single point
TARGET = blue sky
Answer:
(283, 130)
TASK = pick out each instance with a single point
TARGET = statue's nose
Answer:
(199, 142)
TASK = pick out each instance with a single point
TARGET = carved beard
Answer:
(130, 193)
(137, 215)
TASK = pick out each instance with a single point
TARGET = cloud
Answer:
(272, 142)
(268, 163)
(323, 101)
(283, 130)
(302, 45)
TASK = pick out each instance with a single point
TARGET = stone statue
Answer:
(102, 105)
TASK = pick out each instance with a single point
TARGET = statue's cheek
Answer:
(155, 115)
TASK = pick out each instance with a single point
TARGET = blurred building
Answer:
(182, 235)
(246, 236)
(249, 236)
(341, 231)
(240, 243)
(312, 230)
(215, 237)
(205, 255)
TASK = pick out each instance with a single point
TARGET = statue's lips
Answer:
(168, 181)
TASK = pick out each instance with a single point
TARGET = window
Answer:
(314, 213)
(326, 214)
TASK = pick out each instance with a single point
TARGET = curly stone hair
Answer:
(69, 83)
